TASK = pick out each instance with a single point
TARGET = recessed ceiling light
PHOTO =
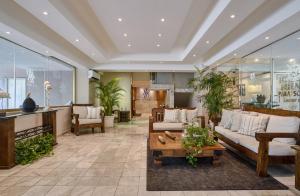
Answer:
(232, 16)
(47, 51)
(162, 20)
(194, 55)
(157, 45)
(76, 40)
(267, 37)
(129, 45)
(125, 34)
(234, 54)
(207, 42)
(291, 60)
(7, 32)
(120, 19)
(256, 60)
(45, 13)
(159, 35)
(298, 38)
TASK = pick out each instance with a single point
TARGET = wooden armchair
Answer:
(80, 120)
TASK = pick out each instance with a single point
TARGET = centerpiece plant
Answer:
(216, 91)
(193, 141)
(109, 95)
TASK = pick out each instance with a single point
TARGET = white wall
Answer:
(82, 85)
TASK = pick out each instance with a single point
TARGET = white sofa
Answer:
(267, 138)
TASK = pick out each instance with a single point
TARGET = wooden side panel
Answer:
(7, 143)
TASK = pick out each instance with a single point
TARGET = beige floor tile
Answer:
(129, 181)
(173, 193)
(195, 193)
(10, 181)
(38, 191)
(108, 181)
(113, 172)
(105, 191)
(67, 181)
(88, 181)
(96, 172)
(48, 180)
(15, 191)
(127, 191)
(27, 181)
(132, 172)
(82, 191)
(60, 191)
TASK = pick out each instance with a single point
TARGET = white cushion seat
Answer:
(160, 126)
(233, 136)
(83, 121)
(275, 148)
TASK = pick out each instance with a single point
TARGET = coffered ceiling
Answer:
(147, 35)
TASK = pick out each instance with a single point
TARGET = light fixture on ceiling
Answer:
(234, 54)
(298, 38)
(129, 45)
(120, 19)
(207, 42)
(158, 45)
(7, 32)
(159, 35)
(291, 60)
(232, 16)
(162, 20)
(125, 34)
(45, 13)
(267, 37)
(47, 51)
(194, 55)
(256, 60)
(76, 40)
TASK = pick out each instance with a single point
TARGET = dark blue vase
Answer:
(29, 105)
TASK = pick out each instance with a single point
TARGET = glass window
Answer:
(24, 71)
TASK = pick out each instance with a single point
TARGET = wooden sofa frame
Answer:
(262, 158)
(158, 116)
(76, 126)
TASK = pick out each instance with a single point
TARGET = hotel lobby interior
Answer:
(149, 97)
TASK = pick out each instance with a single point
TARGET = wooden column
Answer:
(7, 143)
(262, 158)
(49, 119)
(297, 167)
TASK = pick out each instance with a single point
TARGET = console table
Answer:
(9, 135)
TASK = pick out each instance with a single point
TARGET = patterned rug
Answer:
(233, 174)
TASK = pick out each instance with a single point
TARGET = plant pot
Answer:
(109, 121)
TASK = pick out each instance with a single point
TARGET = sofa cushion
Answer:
(93, 112)
(87, 121)
(236, 121)
(283, 124)
(171, 116)
(159, 126)
(252, 124)
(226, 118)
(81, 110)
(233, 136)
(191, 115)
(182, 116)
(275, 148)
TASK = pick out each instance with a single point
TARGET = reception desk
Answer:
(18, 126)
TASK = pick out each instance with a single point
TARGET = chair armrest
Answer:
(202, 121)
(76, 117)
(268, 136)
(151, 120)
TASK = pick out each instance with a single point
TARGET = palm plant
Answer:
(109, 95)
(216, 91)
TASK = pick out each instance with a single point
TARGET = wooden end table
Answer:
(297, 166)
(174, 148)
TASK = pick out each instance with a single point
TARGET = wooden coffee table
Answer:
(174, 148)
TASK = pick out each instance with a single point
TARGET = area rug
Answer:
(233, 174)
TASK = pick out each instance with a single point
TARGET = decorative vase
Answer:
(29, 105)
(109, 121)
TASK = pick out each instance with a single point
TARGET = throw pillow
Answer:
(182, 116)
(283, 124)
(236, 121)
(191, 115)
(226, 119)
(93, 112)
(252, 124)
(171, 116)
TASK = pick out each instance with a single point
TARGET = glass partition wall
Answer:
(23, 71)
(270, 77)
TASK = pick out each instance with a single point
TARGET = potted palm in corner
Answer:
(109, 95)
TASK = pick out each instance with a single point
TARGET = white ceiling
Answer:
(188, 25)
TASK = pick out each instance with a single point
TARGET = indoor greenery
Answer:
(216, 89)
(31, 149)
(109, 95)
(193, 141)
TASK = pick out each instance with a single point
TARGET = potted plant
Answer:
(216, 91)
(109, 95)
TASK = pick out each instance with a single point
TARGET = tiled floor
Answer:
(113, 163)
